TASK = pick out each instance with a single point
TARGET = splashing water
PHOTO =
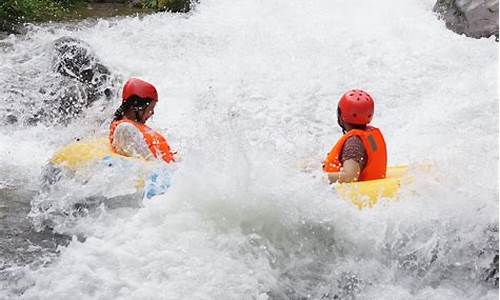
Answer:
(248, 93)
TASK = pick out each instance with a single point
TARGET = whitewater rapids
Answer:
(248, 93)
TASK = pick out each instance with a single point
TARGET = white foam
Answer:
(248, 91)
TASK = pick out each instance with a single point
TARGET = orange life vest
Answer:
(375, 148)
(156, 142)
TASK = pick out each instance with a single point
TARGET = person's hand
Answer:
(333, 177)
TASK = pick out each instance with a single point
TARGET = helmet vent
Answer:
(354, 115)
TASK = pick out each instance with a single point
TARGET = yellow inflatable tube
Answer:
(82, 154)
(366, 193)
(362, 194)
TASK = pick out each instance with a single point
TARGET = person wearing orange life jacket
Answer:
(129, 136)
(360, 154)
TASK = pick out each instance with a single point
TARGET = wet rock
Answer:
(11, 119)
(74, 59)
(474, 18)
(490, 249)
(136, 3)
(174, 5)
(77, 80)
(491, 274)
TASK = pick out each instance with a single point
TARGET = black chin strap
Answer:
(340, 122)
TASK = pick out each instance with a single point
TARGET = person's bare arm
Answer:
(349, 173)
(129, 141)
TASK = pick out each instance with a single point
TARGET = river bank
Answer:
(14, 16)
(473, 18)
(247, 92)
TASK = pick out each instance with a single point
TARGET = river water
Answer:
(248, 93)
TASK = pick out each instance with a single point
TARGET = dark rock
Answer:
(75, 59)
(490, 249)
(86, 81)
(474, 18)
(136, 3)
(76, 80)
(10, 27)
(174, 5)
(11, 119)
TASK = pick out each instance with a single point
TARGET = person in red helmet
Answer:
(129, 136)
(360, 154)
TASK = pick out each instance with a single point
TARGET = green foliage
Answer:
(15, 12)
(20, 11)
(168, 5)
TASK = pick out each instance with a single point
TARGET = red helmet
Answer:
(140, 88)
(356, 107)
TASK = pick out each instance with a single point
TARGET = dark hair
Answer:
(133, 102)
